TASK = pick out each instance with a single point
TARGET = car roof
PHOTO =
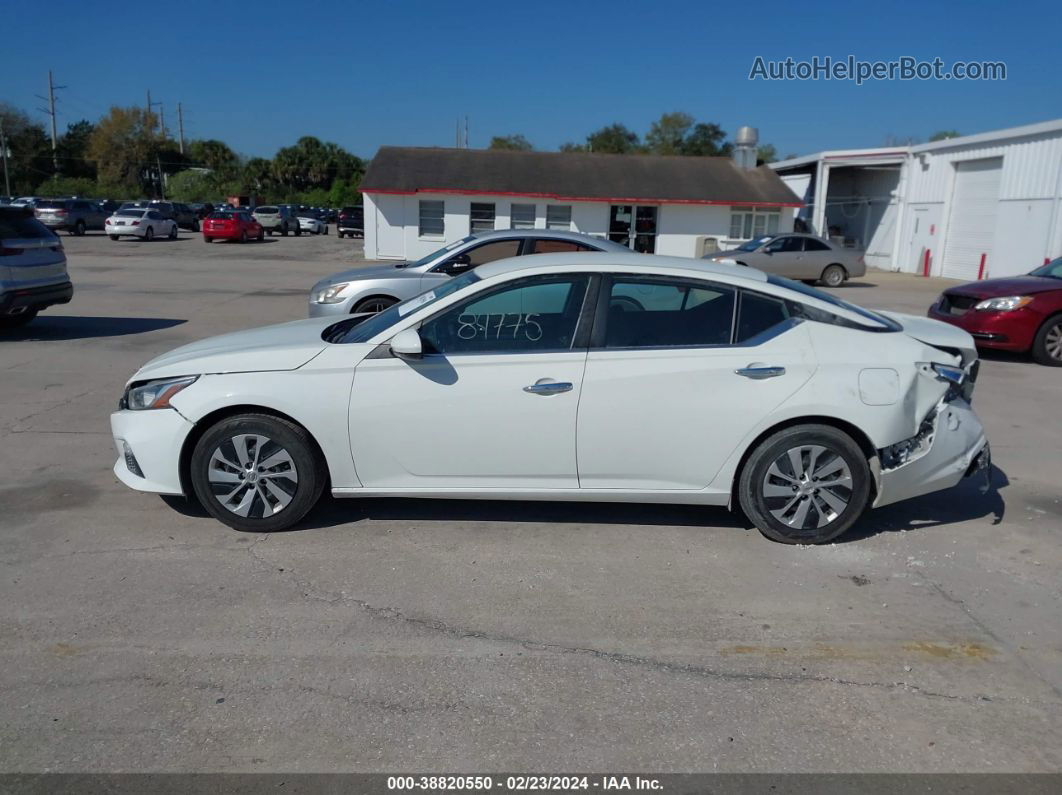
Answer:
(551, 234)
(626, 261)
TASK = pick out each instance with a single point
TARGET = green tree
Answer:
(125, 146)
(215, 155)
(705, 140)
(614, 139)
(68, 186)
(311, 164)
(31, 155)
(72, 147)
(571, 146)
(667, 135)
(943, 135)
(766, 154)
(193, 185)
(515, 142)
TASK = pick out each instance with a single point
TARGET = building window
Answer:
(523, 216)
(432, 219)
(747, 223)
(481, 217)
(559, 216)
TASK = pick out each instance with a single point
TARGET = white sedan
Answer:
(142, 223)
(601, 377)
(312, 224)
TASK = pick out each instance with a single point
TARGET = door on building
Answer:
(633, 226)
(972, 219)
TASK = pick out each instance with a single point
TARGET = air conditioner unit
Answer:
(704, 245)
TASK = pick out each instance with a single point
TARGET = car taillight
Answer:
(9, 252)
(60, 212)
(135, 223)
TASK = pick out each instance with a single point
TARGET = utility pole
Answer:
(150, 105)
(162, 179)
(3, 153)
(180, 128)
(50, 99)
(466, 132)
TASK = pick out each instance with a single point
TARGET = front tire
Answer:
(257, 473)
(807, 484)
(834, 275)
(377, 303)
(79, 229)
(1047, 346)
(149, 234)
(173, 232)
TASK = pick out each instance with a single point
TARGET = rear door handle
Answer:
(759, 371)
(545, 386)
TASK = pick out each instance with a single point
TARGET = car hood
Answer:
(286, 346)
(936, 333)
(1015, 285)
(393, 271)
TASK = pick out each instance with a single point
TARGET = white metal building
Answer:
(417, 199)
(964, 208)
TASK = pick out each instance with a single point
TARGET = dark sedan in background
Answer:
(1018, 313)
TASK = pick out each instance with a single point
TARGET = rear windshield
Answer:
(130, 213)
(50, 205)
(222, 216)
(19, 226)
(267, 210)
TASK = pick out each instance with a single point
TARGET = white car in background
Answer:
(601, 377)
(139, 222)
(309, 222)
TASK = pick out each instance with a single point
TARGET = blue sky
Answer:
(364, 74)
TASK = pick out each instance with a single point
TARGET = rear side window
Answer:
(666, 313)
(18, 226)
(757, 313)
(814, 245)
(545, 246)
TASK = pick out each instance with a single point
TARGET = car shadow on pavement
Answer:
(962, 503)
(72, 327)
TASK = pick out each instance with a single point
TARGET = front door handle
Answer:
(545, 386)
(759, 371)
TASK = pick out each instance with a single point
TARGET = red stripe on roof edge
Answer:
(625, 199)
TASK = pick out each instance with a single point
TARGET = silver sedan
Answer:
(797, 256)
(375, 288)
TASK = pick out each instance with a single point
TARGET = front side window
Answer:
(432, 219)
(481, 217)
(786, 245)
(528, 316)
(559, 216)
(653, 313)
(522, 216)
(480, 255)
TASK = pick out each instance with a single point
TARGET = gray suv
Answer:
(33, 269)
(74, 215)
(375, 288)
(277, 218)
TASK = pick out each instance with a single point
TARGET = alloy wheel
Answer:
(807, 487)
(1053, 342)
(252, 476)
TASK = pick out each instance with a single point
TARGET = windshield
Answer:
(752, 245)
(367, 329)
(437, 253)
(1052, 270)
(812, 292)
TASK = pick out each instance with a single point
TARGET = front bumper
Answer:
(1004, 331)
(154, 439)
(20, 299)
(957, 445)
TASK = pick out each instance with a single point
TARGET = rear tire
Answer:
(173, 232)
(207, 239)
(243, 237)
(149, 234)
(257, 498)
(79, 229)
(833, 275)
(1047, 346)
(17, 321)
(807, 484)
(261, 235)
(114, 237)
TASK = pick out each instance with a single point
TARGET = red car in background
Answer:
(1019, 313)
(232, 225)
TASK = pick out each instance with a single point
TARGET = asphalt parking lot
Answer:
(462, 636)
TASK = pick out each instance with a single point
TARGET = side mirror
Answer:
(458, 263)
(406, 344)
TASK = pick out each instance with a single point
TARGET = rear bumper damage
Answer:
(950, 445)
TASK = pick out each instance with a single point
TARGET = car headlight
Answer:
(954, 375)
(332, 294)
(155, 394)
(1004, 304)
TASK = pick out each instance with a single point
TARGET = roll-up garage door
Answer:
(972, 222)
